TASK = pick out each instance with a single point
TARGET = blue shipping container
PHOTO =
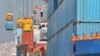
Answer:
(19, 34)
(87, 48)
(71, 17)
(86, 28)
(9, 25)
(88, 10)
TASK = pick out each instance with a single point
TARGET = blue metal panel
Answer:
(52, 24)
(88, 54)
(49, 2)
(60, 17)
(49, 28)
(81, 10)
(68, 11)
(9, 25)
(71, 9)
(19, 34)
(60, 44)
(64, 13)
(68, 35)
(87, 47)
(86, 28)
(88, 9)
(51, 7)
(55, 21)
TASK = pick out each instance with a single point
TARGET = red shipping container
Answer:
(27, 37)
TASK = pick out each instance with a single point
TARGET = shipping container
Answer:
(71, 17)
(27, 37)
(27, 27)
(19, 35)
(87, 10)
(86, 28)
(9, 25)
(87, 48)
(9, 16)
(50, 5)
(20, 22)
(28, 20)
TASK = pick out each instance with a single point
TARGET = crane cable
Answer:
(9, 5)
(23, 8)
(20, 9)
(27, 8)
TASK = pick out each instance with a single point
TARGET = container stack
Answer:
(19, 30)
(87, 46)
(25, 36)
(9, 21)
(27, 33)
(71, 17)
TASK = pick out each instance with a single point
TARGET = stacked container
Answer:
(27, 33)
(19, 35)
(71, 17)
(19, 30)
(9, 21)
(27, 38)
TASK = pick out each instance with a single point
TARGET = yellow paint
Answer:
(27, 27)
(28, 20)
(20, 22)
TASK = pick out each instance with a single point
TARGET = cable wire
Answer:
(8, 5)
(23, 8)
(27, 8)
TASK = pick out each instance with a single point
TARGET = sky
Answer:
(17, 9)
